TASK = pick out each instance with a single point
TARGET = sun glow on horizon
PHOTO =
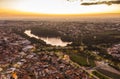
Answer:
(58, 7)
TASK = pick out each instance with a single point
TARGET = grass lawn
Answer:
(79, 59)
(92, 63)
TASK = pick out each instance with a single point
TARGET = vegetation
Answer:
(48, 32)
(45, 32)
(106, 38)
(32, 39)
(99, 75)
(81, 58)
(109, 74)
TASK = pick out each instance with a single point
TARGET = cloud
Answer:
(102, 2)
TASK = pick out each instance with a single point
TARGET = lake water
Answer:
(54, 41)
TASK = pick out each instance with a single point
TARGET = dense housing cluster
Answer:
(23, 57)
(115, 51)
(18, 61)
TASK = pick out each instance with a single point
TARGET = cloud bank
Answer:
(101, 2)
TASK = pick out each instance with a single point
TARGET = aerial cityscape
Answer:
(64, 39)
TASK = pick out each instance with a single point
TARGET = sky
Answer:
(59, 6)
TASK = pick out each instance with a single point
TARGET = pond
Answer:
(54, 41)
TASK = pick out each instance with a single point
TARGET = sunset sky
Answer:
(57, 7)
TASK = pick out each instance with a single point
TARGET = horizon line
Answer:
(5, 12)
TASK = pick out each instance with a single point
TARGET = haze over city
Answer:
(57, 7)
(59, 39)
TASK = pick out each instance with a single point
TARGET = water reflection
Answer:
(55, 41)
